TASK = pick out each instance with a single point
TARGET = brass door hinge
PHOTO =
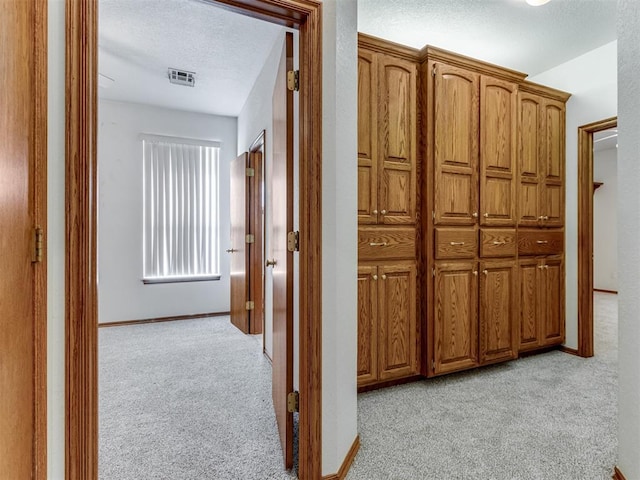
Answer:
(250, 305)
(293, 80)
(250, 238)
(38, 245)
(250, 172)
(293, 241)
(293, 402)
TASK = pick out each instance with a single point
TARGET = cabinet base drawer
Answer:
(540, 242)
(456, 243)
(375, 243)
(496, 242)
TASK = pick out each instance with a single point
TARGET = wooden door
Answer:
(397, 119)
(456, 111)
(498, 312)
(553, 198)
(531, 152)
(455, 317)
(397, 355)
(530, 298)
(553, 284)
(367, 137)
(282, 223)
(238, 249)
(255, 200)
(367, 324)
(498, 144)
(21, 117)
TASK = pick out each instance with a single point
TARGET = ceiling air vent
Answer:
(182, 77)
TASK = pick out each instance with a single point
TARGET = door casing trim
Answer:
(81, 379)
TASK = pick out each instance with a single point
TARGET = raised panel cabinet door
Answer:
(367, 324)
(455, 317)
(367, 138)
(498, 146)
(498, 318)
(398, 336)
(553, 319)
(397, 123)
(531, 151)
(553, 198)
(530, 298)
(456, 137)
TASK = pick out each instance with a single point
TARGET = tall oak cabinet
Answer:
(460, 212)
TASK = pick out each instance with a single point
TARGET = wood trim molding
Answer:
(585, 233)
(617, 474)
(385, 46)
(552, 93)
(40, 218)
(346, 463)
(81, 313)
(174, 318)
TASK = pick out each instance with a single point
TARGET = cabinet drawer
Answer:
(456, 243)
(377, 243)
(540, 242)
(497, 242)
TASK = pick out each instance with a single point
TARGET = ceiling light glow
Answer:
(536, 3)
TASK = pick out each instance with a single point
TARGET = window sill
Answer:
(200, 278)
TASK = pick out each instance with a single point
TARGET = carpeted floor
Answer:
(192, 400)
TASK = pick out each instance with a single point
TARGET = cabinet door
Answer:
(456, 112)
(367, 138)
(530, 295)
(455, 337)
(397, 341)
(531, 152)
(553, 284)
(498, 143)
(367, 324)
(553, 198)
(397, 118)
(498, 320)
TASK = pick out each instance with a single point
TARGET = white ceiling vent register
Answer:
(181, 77)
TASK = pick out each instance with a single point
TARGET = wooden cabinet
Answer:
(541, 298)
(541, 153)
(387, 150)
(387, 330)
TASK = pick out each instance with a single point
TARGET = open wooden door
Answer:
(281, 222)
(238, 251)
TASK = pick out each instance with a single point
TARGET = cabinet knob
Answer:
(271, 263)
(375, 212)
(474, 214)
(486, 215)
(375, 277)
(546, 267)
(541, 266)
(384, 277)
(485, 272)
(383, 212)
(546, 217)
(475, 272)
(541, 217)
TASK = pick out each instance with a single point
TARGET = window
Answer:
(180, 196)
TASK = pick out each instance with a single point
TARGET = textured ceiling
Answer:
(140, 39)
(505, 32)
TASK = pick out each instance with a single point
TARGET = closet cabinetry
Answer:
(388, 340)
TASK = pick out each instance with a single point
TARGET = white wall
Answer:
(629, 232)
(605, 218)
(256, 116)
(339, 232)
(55, 242)
(121, 294)
(592, 81)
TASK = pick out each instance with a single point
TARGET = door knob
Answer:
(231, 250)
(271, 263)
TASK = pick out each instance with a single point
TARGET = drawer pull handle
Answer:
(542, 242)
(455, 244)
(499, 243)
(378, 244)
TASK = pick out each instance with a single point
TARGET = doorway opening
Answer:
(586, 188)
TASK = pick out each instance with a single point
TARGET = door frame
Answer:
(81, 323)
(256, 221)
(585, 232)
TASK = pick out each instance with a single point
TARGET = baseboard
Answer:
(617, 474)
(346, 464)
(615, 292)
(390, 383)
(162, 319)
(571, 351)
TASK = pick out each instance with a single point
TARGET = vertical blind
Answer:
(180, 195)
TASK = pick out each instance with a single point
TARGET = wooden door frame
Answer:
(585, 232)
(81, 374)
(256, 220)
